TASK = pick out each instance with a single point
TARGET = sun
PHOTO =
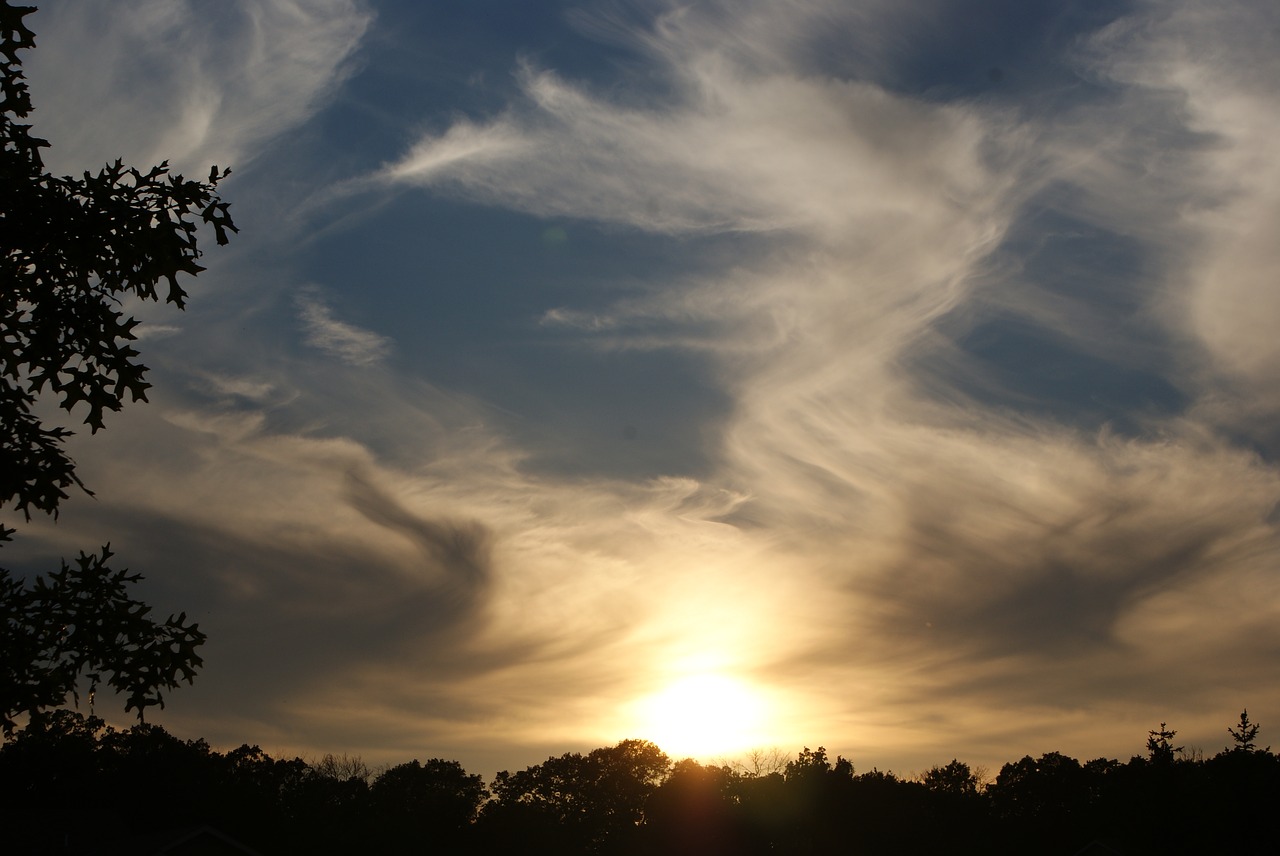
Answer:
(702, 716)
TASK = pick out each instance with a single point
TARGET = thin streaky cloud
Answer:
(156, 80)
(339, 339)
(888, 214)
(993, 437)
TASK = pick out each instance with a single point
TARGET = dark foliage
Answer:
(71, 249)
(1160, 748)
(69, 784)
(435, 801)
(698, 811)
(592, 803)
(1244, 734)
(81, 621)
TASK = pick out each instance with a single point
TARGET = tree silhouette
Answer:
(1160, 748)
(100, 788)
(1244, 734)
(437, 801)
(1051, 788)
(696, 811)
(953, 778)
(81, 621)
(71, 250)
(575, 803)
(342, 768)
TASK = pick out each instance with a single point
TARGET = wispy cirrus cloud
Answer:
(947, 306)
(764, 153)
(985, 368)
(1219, 61)
(184, 82)
(347, 342)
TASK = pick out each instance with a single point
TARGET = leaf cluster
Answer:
(82, 621)
(72, 250)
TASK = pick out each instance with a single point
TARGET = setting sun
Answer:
(703, 715)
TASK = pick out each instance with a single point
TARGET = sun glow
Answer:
(703, 715)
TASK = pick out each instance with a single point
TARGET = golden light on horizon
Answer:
(703, 715)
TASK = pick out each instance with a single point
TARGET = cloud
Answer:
(775, 153)
(150, 80)
(348, 343)
(985, 370)
(1219, 61)
(991, 518)
(451, 599)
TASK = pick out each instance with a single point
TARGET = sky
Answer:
(893, 377)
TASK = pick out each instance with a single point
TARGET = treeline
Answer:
(70, 784)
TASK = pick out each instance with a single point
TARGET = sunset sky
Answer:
(898, 377)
